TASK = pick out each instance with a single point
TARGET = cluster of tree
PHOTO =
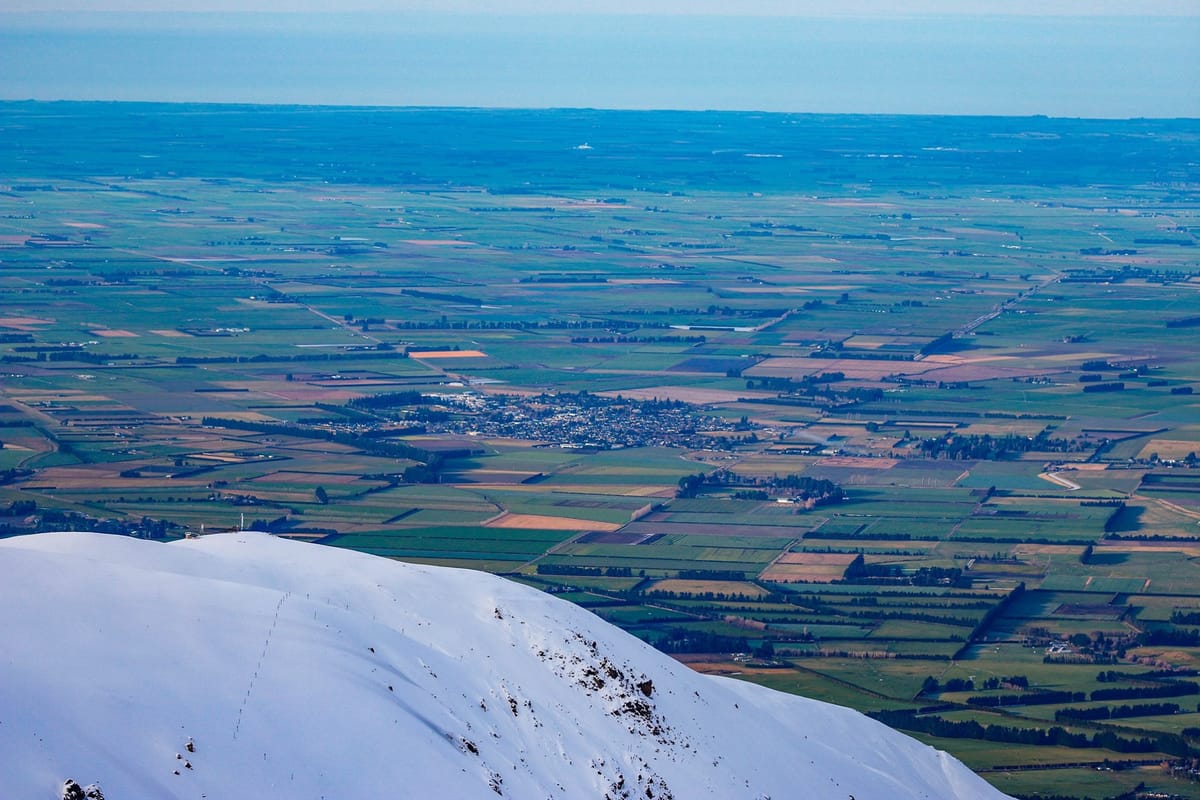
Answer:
(690, 485)
(13, 474)
(1115, 386)
(834, 350)
(55, 520)
(1055, 736)
(859, 571)
(461, 299)
(383, 350)
(1164, 636)
(715, 597)
(998, 557)
(1040, 698)
(813, 387)
(570, 277)
(1116, 712)
(811, 491)
(1015, 681)
(19, 508)
(805, 385)
(1130, 271)
(519, 324)
(86, 356)
(1164, 689)
(572, 569)
(1114, 676)
(47, 348)
(819, 489)
(712, 575)
(281, 523)
(931, 685)
(871, 536)
(638, 339)
(390, 400)
(127, 276)
(1100, 251)
(985, 447)
(942, 344)
(688, 640)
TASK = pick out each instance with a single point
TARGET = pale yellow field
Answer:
(817, 559)
(1076, 357)
(224, 458)
(800, 573)
(539, 522)
(1160, 656)
(23, 323)
(309, 394)
(250, 416)
(855, 204)
(1169, 449)
(304, 477)
(726, 667)
(108, 476)
(1025, 550)
(447, 354)
(67, 395)
(1188, 550)
(858, 368)
(858, 463)
(809, 567)
(680, 586)
(954, 360)
(793, 259)
(646, 491)
(772, 290)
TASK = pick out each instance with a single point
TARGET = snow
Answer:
(242, 665)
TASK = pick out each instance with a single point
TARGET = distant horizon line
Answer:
(799, 14)
(603, 109)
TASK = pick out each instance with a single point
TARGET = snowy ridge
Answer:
(241, 665)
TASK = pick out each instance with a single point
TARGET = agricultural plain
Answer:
(895, 412)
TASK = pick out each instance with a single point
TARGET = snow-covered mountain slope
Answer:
(244, 666)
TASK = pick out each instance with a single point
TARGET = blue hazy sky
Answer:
(1056, 57)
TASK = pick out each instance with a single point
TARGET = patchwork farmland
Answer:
(914, 435)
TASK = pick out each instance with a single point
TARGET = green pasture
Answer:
(1089, 783)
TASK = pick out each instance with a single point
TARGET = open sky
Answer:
(1077, 58)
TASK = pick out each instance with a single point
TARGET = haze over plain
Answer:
(1057, 59)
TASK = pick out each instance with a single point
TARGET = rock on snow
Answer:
(241, 665)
